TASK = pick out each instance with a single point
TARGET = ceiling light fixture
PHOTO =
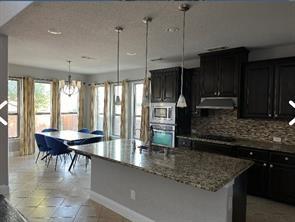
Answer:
(181, 103)
(70, 88)
(118, 29)
(172, 29)
(88, 57)
(131, 53)
(54, 32)
(146, 21)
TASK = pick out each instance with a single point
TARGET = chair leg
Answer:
(56, 162)
(49, 160)
(37, 157)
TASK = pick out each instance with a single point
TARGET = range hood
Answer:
(217, 103)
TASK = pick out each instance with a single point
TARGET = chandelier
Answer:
(70, 87)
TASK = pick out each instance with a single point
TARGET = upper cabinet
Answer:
(220, 72)
(165, 85)
(267, 88)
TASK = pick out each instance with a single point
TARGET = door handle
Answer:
(264, 164)
(271, 166)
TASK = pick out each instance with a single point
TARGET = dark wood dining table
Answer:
(69, 137)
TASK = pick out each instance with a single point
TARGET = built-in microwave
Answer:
(163, 113)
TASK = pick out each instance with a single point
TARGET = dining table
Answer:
(69, 137)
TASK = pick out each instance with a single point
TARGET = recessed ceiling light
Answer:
(131, 53)
(54, 32)
(172, 29)
(88, 57)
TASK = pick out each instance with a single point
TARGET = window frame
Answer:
(18, 107)
(113, 85)
(44, 113)
(133, 112)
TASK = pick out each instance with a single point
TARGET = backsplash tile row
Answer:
(226, 123)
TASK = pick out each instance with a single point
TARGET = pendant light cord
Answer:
(118, 57)
(183, 39)
(146, 46)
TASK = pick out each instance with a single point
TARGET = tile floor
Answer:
(42, 194)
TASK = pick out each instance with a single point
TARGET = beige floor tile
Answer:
(52, 202)
(86, 219)
(66, 212)
(26, 211)
(61, 219)
(43, 212)
(88, 211)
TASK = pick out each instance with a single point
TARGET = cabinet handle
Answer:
(251, 153)
(215, 93)
(276, 115)
(286, 158)
(218, 94)
(269, 115)
(271, 166)
(264, 164)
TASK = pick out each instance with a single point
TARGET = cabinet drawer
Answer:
(184, 142)
(282, 158)
(252, 154)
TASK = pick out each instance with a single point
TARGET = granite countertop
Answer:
(248, 143)
(8, 213)
(202, 170)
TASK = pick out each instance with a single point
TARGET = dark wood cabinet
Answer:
(267, 88)
(220, 72)
(284, 89)
(258, 90)
(165, 85)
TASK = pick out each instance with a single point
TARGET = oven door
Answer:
(165, 138)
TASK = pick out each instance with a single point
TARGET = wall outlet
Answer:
(132, 195)
(277, 139)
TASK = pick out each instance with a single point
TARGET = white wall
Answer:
(39, 73)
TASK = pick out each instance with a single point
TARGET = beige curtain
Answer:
(106, 111)
(27, 146)
(124, 102)
(55, 104)
(81, 106)
(145, 115)
(93, 100)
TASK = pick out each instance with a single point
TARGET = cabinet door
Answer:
(170, 87)
(195, 90)
(209, 75)
(228, 76)
(282, 183)
(258, 179)
(156, 87)
(258, 90)
(284, 89)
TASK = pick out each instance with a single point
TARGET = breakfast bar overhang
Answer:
(182, 186)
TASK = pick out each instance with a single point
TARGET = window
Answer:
(116, 111)
(69, 111)
(42, 95)
(138, 94)
(100, 107)
(13, 108)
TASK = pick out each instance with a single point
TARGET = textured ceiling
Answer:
(87, 29)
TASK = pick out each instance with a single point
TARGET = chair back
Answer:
(97, 132)
(84, 130)
(49, 130)
(41, 142)
(56, 147)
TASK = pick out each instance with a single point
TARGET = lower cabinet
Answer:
(282, 183)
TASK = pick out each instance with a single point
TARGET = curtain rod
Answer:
(101, 83)
(38, 79)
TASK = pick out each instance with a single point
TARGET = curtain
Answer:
(93, 106)
(106, 111)
(124, 102)
(145, 116)
(55, 104)
(27, 146)
(81, 106)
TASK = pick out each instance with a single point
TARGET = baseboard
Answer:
(14, 153)
(4, 189)
(118, 208)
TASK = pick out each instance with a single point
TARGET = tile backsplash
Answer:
(226, 123)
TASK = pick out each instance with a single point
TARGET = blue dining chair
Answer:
(84, 130)
(49, 130)
(97, 132)
(57, 148)
(42, 145)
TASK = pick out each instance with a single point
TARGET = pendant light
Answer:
(118, 29)
(181, 101)
(70, 87)
(146, 21)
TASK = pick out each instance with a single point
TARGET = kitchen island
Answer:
(181, 186)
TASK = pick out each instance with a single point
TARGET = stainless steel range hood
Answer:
(217, 103)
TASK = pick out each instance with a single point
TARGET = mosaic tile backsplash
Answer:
(226, 123)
